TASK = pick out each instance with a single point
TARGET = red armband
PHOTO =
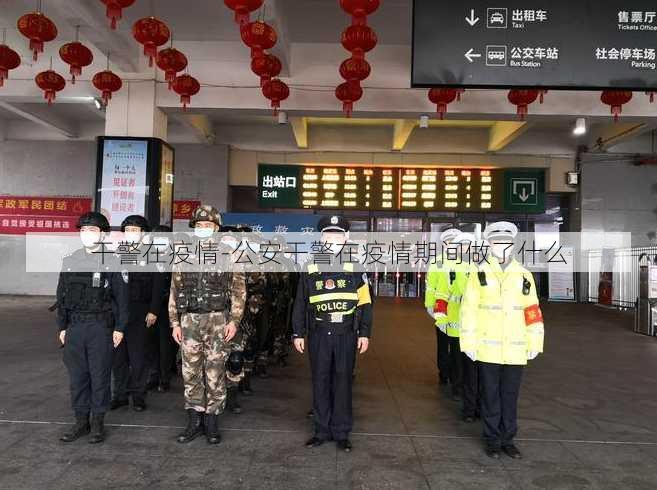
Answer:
(533, 315)
(440, 307)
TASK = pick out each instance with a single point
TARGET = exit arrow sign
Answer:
(472, 20)
(524, 191)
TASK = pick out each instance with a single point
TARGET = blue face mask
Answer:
(203, 232)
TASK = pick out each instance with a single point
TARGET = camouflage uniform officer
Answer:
(205, 310)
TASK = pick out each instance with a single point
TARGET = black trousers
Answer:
(130, 368)
(455, 364)
(161, 349)
(500, 388)
(471, 392)
(332, 351)
(88, 351)
(442, 354)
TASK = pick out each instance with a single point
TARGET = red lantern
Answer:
(442, 97)
(355, 70)
(651, 95)
(152, 33)
(359, 40)
(243, 9)
(459, 94)
(258, 36)
(38, 29)
(522, 99)
(276, 91)
(616, 99)
(108, 83)
(359, 9)
(9, 59)
(348, 94)
(172, 62)
(186, 86)
(50, 82)
(115, 10)
(77, 55)
(541, 95)
(266, 67)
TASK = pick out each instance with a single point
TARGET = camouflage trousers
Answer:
(279, 331)
(204, 353)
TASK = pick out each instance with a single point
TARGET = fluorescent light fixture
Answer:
(424, 121)
(282, 117)
(580, 127)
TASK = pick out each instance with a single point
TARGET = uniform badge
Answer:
(334, 220)
(329, 284)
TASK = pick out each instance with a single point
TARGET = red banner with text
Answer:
(23, 214)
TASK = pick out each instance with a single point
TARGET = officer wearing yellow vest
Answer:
(334, 309)
(439, 280)
(502, 328)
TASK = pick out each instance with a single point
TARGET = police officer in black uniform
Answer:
(92, 312)
(131, 368)
(334, 309)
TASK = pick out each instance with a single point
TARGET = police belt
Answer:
(203, 311)
(336, 318)
(90, 315)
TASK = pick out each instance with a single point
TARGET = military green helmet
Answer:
(205, 213)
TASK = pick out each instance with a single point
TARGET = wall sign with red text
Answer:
(23, 214)
(183, 209)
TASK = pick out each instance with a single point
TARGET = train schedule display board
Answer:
(560, 44)
(384, 188)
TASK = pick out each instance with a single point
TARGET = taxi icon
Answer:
(497, 18)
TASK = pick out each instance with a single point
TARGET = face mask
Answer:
(132, 237)
(89, 239)
(502, 251)
(203, 232)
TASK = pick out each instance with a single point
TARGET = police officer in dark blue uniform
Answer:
(92, 312)
(131, 368)
(334, 309)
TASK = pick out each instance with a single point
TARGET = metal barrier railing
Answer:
(625, 279)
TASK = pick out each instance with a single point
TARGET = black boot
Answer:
(245, 385)
(194, 426)
(212, 429)
(231, 401)
(97, 429)
(79, 429)
(261, 371)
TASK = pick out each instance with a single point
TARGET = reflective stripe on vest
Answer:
(331, 296)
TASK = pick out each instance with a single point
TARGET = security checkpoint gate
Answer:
(646, 311)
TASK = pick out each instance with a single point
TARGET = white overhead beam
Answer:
(201, 127)
(300, 129)
(401, 132)
(41, 114)
(504, 132)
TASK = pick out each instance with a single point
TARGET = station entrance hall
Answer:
(328, 244)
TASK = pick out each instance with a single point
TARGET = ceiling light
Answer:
(580, 127)
(98, 104)
(424, 121)
(282, 117)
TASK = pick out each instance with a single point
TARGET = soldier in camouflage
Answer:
(205, 310)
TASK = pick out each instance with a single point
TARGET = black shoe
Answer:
(443, 381)
(163, 387)
(116, 403)
(314, 442)
(493, 452)
(456, 397)
(245, 385)
(79, 429)
(512, 452)
(469, 419)
(231, 401)
(97, 429)
(194, 427)
(212, 429)
(310, 414)
(344, 445)
(152, 385)
(138, 404)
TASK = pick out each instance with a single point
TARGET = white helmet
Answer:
(449, 235)
(500, 229)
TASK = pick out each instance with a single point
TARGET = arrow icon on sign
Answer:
(523, 195)
(471, 55)
(472, 20)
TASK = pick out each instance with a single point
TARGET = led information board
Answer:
(400, 189)
(583, 44)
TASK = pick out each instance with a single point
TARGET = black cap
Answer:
(94, 219)
(229, 229)
(136, 220)
(333, 223)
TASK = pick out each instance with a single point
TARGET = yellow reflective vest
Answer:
(444, 288)
(501, 320)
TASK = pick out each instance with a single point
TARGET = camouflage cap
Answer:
(205, 213)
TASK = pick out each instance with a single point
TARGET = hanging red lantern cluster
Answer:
(50, 82)
(442, 97)
(152, 33)
(171, 62)
(358, 39)
(115, 10)
(243, 9)
(9, 59)
(39, 29)
(616, 99)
